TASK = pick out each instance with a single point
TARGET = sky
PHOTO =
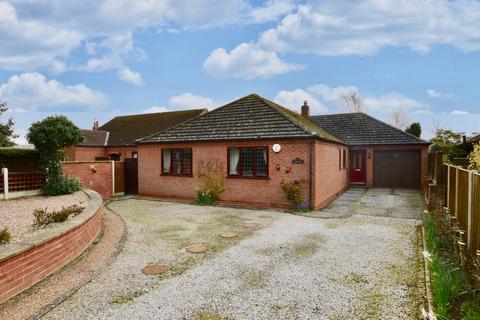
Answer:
(98, 59)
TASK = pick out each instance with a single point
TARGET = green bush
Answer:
(446, 286)
(5, 236)
(42, 217)
(293, 189)
(65, 185)
(206, 198)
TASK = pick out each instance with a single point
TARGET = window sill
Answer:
(175, 175)
(248, 178)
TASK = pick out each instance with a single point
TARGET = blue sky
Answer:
(97, 59)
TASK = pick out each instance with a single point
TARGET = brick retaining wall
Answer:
(23, 265)
(98, 178)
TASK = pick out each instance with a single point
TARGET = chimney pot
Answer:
(305, 110)
(95, 125)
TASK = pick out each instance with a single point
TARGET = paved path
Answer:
(361, 267)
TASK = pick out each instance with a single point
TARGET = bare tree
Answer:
(399, 119)
(435, 126)
(353, 102)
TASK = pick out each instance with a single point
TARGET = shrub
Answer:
(210, 182)
(474, 158)
(5, 236)
(66, 185)
(42, 217)
(293, 189)
(206, 197)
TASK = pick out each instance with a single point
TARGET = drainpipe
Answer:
(310, 173)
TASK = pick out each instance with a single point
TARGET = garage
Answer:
(396, 169)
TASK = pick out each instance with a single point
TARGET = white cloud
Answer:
(27, 43)
(294, 100)
(188, 100)
(29, 91)
(36, 33)
(459, 113)
(438, 94)
(393, 101)
(127, 75)
(271, 10)
(247, 61)
(341, 27)
(155, 109)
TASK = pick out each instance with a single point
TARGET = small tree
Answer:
(474, 157)
(414, 129)
(50, 137)
(399, 119)
(6, 129)
(353, 102)
(451, 144)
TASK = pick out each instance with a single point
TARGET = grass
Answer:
(5, 236)
(447, 279)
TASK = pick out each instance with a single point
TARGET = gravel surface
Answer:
(16, 214)
(32, 301)
(292, 267)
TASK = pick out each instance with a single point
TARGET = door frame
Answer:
(351, 155)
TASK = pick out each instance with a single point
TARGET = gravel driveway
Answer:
(290, 267)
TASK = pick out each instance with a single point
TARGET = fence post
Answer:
(113, 178)
(448, 186)
(470, 204)
(5, 182)
(456, 191)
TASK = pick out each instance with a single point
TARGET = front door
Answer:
(357, 166)
(131, 176)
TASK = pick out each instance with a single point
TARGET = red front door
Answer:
(357, 166)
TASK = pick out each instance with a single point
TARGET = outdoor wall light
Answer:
(288, 169)
(277, 166)
(92, 168)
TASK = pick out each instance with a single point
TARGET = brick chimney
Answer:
(95, 125)
(305, 110)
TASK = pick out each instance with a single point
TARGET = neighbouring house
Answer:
(260, 143)
(115, 140)
(475, 138)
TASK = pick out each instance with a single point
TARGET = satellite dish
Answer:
(276, 148)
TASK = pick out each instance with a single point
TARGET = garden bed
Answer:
(17, 215)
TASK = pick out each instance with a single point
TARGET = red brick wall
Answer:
(331, 178)
(100, 181)
(85, 153)
(237, 190)
(125, 152)
(21, 271)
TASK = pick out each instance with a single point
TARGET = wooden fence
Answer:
(463, 202)
(18, 182)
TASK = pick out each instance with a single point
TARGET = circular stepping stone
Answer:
(265, 217)
(196, 249)
(228, 234)
(250, 225)
(154, 269)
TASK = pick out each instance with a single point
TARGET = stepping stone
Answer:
(228, 234)
(196, 249)
(154, 269)
(265, 217)
(250, 225)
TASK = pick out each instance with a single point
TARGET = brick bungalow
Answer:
(260, 143)
(115, 140)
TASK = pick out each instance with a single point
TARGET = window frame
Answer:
(240, 161)
(182, 169)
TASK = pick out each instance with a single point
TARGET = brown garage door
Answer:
(396, 169)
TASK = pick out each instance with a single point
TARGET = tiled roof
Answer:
(124, 130)
(362, 129)
(94, 138)
(474, 138)
(251, 117)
